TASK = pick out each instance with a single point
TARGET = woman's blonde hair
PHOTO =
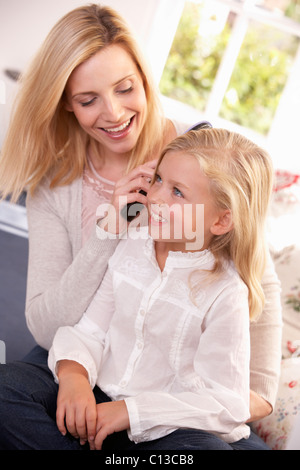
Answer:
(43, 135)
(241, 180)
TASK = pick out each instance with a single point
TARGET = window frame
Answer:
(245, 12)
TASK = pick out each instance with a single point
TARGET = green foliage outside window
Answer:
(192, 64)
(258, 79)
(293, 10)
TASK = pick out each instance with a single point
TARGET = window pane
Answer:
(259, 77)
(290, 8)
(195, 56)
(259, 74)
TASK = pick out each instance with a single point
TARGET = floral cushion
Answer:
(284, 238)
(287, 268)
(276, 428)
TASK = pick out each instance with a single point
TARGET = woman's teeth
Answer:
(120, 128)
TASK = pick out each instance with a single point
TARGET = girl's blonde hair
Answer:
(43, 135)
(241, 180)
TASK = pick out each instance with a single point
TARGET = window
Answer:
(234, 62)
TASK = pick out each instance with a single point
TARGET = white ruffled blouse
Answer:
(178, 360)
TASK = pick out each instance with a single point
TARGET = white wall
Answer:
(25, 23)
(283, 138)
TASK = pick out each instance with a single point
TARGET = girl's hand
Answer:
(111, 417)
(126, 192)
(76, 405)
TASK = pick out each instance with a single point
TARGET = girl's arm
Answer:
(84, 342)
(111, 417)
(74, 360)
(76, 405)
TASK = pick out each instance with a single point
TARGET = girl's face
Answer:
(180, 205)
(107, 96)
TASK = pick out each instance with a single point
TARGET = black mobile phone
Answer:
(200, 125)
(132, 210)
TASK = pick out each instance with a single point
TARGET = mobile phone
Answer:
(132, 210)
(200, 125)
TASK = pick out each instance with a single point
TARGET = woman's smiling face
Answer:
(106, 93)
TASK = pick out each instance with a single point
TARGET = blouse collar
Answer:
(179, 259)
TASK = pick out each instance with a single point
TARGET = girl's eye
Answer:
(88, 103)
(177, 192)
(157, 179)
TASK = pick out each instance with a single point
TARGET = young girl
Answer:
(166, 337)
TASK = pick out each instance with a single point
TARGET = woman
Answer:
(58, 132)
(86, 122)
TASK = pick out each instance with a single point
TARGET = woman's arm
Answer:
(62, 275)
(265, 336)
(60, 282)
(259, 407)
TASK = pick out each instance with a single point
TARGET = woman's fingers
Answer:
(142, 173)
(130, 189)
(133, 186)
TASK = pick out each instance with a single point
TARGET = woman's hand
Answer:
(259, 407)
(76, 405)
(126, 192)
(111, 417)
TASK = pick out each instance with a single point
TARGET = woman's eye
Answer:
(177, 192)
(125, 90)
(88, 103)
(124, 87)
